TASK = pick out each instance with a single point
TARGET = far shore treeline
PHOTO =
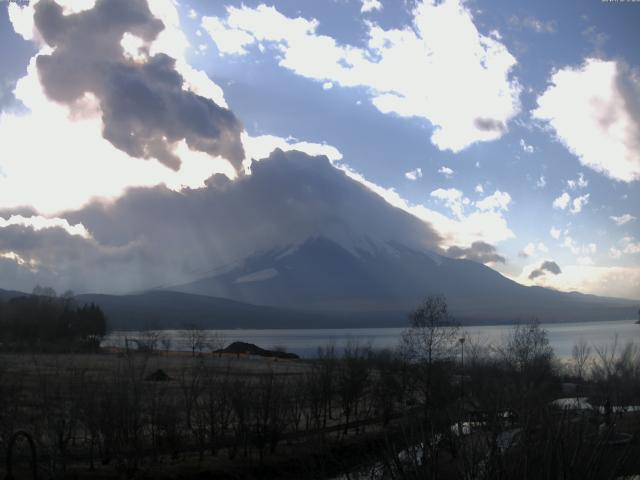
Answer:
(44, 321)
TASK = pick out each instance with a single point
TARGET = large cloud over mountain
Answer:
(157, 236)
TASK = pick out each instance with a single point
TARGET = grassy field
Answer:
(76, 406)
(364, 413)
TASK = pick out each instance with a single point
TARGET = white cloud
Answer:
(370, 5)
(21, 14)
(529, 250)
(230, 41)
(453, 198)
(496, 201)
(584, 261)
(414, 174)
(626, 246)
(133, 47)
(21, 18)
(532, 249)
(38, 222)
(578, 203)
(193, 14)
(571, 245)
(407, 72)
(259, 147)
(623, 219)
(479, 188)
(575, 205)
(327, 86)
(31, 264)
(578, 249)
(630, 245)
(598, 280)
(562, 201)
(525, 147)
(580, 182)
(541, 182)
(593, 110)
(446, 171)
(533, 23)
(555, 233)
(489, 227)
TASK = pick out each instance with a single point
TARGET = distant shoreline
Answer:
(347, 327)
(305, 341)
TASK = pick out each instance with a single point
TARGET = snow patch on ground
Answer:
(259, 276)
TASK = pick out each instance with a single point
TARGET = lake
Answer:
(305, 342)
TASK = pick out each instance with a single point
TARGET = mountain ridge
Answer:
(319, 275)
(160, 309)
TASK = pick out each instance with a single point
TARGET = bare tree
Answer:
(527, 348)
(431, 338)
(218, 406)
(166, 342)
(353, 378)
(215, 341)
(429, 344)
(149, 339)
(432, 333)
(196, 338)
(580, 355)
(616, 373)
(267, 407)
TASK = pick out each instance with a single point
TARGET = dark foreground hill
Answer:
(174, 310)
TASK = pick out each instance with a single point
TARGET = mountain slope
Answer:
(320, 275)
(174, 310)
(296, 234)
(6, 295)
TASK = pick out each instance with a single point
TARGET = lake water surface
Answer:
(305, 342)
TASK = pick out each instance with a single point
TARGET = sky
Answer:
(509, 127)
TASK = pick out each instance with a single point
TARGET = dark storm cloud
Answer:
(547, 266)
(480, 252)
(286, 199)
(490, 125)
(144, 107)
(155, 236)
